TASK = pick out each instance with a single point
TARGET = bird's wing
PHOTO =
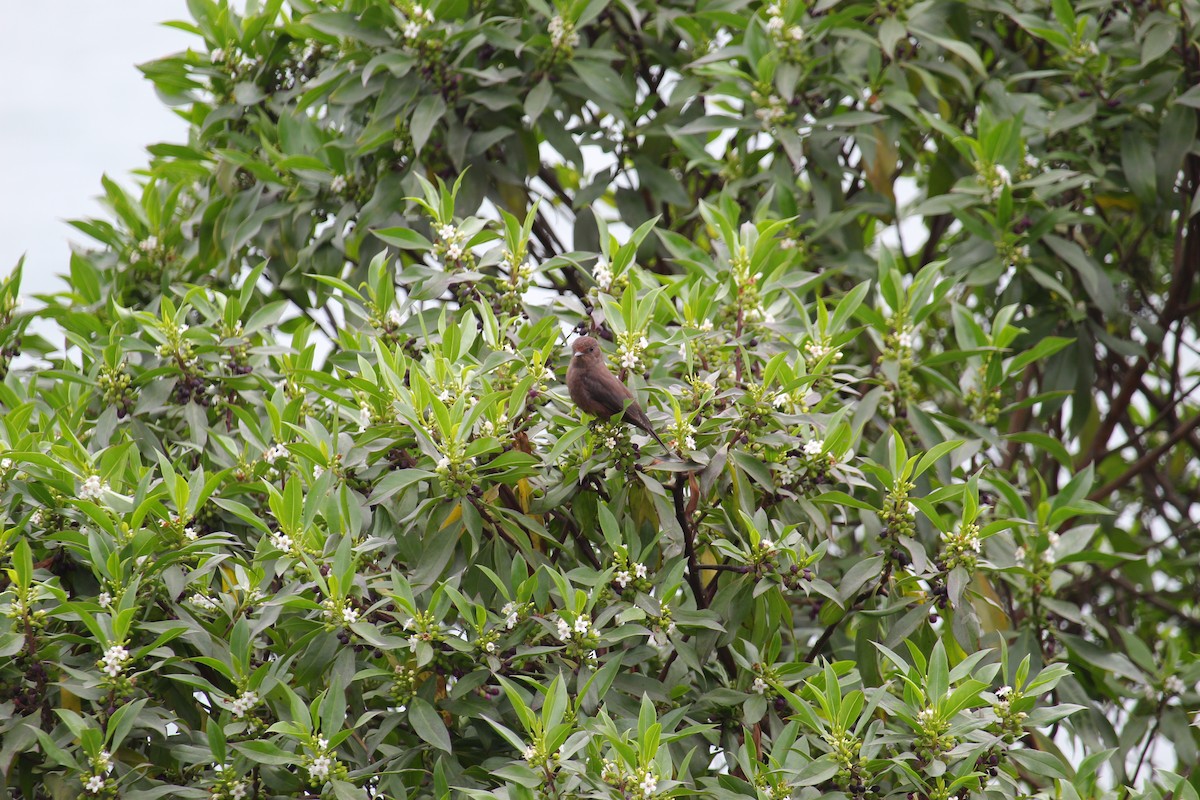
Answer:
(607, 390)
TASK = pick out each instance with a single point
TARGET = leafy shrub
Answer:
(302, 507)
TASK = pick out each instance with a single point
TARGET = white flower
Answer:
(319, 769)
(349, 615)
(562, 33)
(201, 601)
(275, 452)
(649, 784)
(412, 29)
(510, 615)
(104, 599)
(767, 545)
(338, 184)
(787, 244)
(629, 359)
(281, 541)
(454, 252)
(813, 447)
(36, 518)
(1019, 556)
(364, 417)
(104, 760)
(114, 660)
(94, 784)
(5, 464)
(775, 25)
(242, 705)
(217, 56)
(564, 630)
(490, 647)
(322, 743)
(1173, 685)
(760, 686)
(583, 624)
(795, 33)
(622, 578)
(443, 463)
(603, 275)
(93, 488)
(190, 533)
(318, 471)
(1004, 692)
(1003, 175)
(530, 753)
(149, 244)
(926, 715)
(237, 791)
(393, 318)
(689, 442)
(904, 339)
(639, 570)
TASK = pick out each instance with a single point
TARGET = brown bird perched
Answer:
(598, 392)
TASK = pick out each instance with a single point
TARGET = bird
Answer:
(598, 392)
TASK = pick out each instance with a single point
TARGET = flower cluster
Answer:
(961, 547)
(932, 734)
(202, 602)
(772, 109)
(323, 766)
(640, 784)
(452, 246)
(274, 453)
(630, 347)
(418, 19)
(563, 35)
(494, 428)
(93, 488)
(817, 349)
(580, 636)
(243, 703)
(404, 684)
(281, 541)
(630, 573)
(899, 515)
(338, 612)
(1009, 721)
(785, 36)
(685, 435)
(231, 787)
(455, 471)
(846, 749)
(114, 661)
(1047, 556)
(513, 613)
(424, 629)
(993, 178)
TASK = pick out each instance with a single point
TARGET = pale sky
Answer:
(73, 107)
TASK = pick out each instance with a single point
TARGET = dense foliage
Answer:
(303, 507)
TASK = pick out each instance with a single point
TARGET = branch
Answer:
(1148, 460)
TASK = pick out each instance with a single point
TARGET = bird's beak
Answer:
(577, 355)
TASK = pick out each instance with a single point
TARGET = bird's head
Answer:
(585, 350)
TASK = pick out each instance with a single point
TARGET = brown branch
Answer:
(1146, 461)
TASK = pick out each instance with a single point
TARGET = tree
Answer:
(303, 506)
